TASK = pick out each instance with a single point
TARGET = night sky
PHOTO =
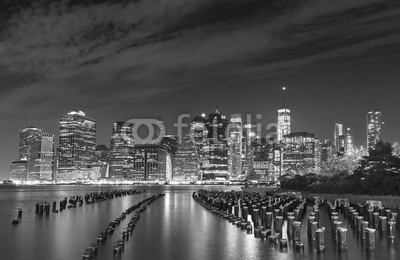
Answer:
(117, 60)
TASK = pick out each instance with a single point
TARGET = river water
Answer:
(173, 227)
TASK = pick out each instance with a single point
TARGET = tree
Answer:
(380, 160)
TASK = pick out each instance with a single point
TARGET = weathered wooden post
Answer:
(370, 244)
(320, 234)
(342, 239)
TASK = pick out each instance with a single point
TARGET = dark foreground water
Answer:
(173, 227)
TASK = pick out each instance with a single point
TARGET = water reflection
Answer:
(173, 227)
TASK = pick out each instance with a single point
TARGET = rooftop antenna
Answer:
(283, 95)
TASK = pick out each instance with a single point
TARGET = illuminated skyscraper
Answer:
(77, 146)
(374, 128)
(37, 148)
(349, 141)
(214, 158)
(283, 119)
(338, 132)
(249, 135)
(121, 151)
(186, 161)
(235, 144)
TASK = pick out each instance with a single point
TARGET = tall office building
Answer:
(349, 141)
(214, 153)
(338, 132)
(374, 128)
(263, 162)
(77, 146)
(121, 151)
(150, 162)
(284, 126)
(36, 147)
(186, 161)
(235, 145)
(249, 135)
(299, 152)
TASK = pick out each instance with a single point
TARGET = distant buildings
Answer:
(77, 146)
(213, 150)
(299, 152)
(343, 140)
(374, 128)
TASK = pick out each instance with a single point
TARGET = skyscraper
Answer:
(186, 161)
(374, 128)
(121, 151)
(338, 132)
(36, 147)
(235, 144)
(150, 162)
(77, 146)
(214, 157)
(283, 119)
(249, 135)
(349, 141)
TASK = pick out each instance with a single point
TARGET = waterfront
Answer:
(173, 227)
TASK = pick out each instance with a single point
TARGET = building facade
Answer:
(235, 145)
(150, 162)
(18, 170)
(122, 151)
(374, 128)
(77, 146)
(284, 124)
(186, 162)
(299, 152)
(36, 147)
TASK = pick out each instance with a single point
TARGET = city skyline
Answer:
(219, 152)
(115, 67)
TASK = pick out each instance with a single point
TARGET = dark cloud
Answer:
(101, 55)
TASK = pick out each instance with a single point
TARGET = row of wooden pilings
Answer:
(89, 198)
(119, 245)
(264, 215)
(365, 222)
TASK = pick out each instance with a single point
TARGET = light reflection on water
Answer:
(173, 227)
